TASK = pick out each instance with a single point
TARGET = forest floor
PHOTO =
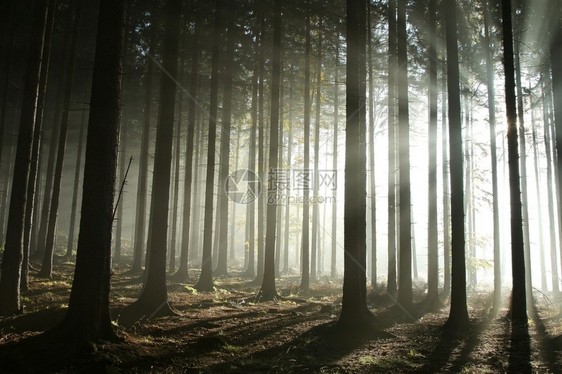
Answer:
(225, 331)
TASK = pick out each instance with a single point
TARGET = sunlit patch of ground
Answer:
(227, 331)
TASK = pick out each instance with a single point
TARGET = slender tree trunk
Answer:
(142, 189)
(372, 171)
(493, 153)
(523, 168)
(551, 197)
(47, 265)
(122, 167)
(458, 315)
(267, 291)
(88, 319)
(76, 186)
(354, 311)
(391, 285)
(518, 298)
(10, 302)
(194, 255)
(432, 231)
(446, 194)
(305, 278)
(153, 300)
(405, 277)
(222, 263)
(539, 202)
(315, 208)
(35, 148)
(251, 207)
(188, 187)
(333, 268)
(205, 282)
(175, 203)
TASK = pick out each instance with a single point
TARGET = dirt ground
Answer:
(225, 331)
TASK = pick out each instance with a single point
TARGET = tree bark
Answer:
(153, 300)
(518, 298)
(458, 314)
(140, 213)
(405, 275)
(305, 278)
(268, 291)
(354, 311)
(205, 282)
(10, 302)
(88, 318)
(391, 285)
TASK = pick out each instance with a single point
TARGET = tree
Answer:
(222, 268)
(182, 273)
(32, 182)
(267, 291)
(354, 312)
(205, 282)
(10, 302)
(153, 300)
(391, 285)
(493, 153)
(432, 299)
(458, 313)
(47, 265)
(305, 279)
(405, 275)
(88, 319)
(518, 298)
(140, 213)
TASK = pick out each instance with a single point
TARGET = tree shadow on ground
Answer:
(519, 360)
(317, 349)
(36, 321)
(547, 349)
(449, 341)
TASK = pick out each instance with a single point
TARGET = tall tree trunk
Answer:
(354, 311)
(305, 278)
(333, 268)
(391, 285)
(458, 314)
(182, 273)
(205, 282)
(315, 208)
(10, 302)
(35, 149)
(251, 207)
(194, 240)
(267, 291)
(372, 171)
(493, 154)
(287, 229)
(261, 154)
(140, 212)
(405, 276)
(555, 57)
(523, 170)
(551, 197)
(518, 298)
(222, 263)
(432, 299)
(175, 203)
(446, 194)
(88, 319)
(76, 186)
(50, 238)
(153, 300)
(122, 167)
(539, 202)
